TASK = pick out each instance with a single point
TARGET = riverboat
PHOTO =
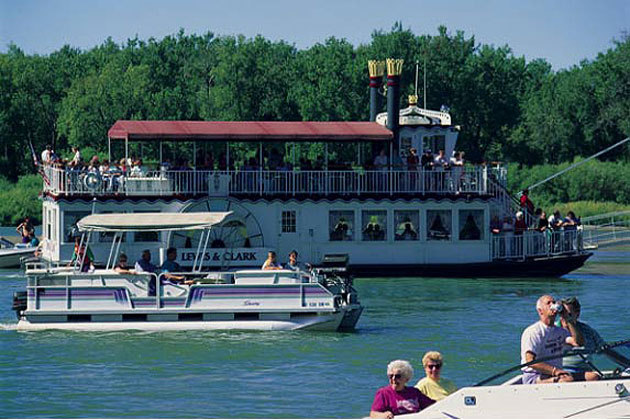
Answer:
(67, 297)
(390, 219)
(606, 398)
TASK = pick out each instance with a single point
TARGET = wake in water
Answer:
(8, 327)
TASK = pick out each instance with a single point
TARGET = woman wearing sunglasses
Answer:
(398, 398)
(433, 385)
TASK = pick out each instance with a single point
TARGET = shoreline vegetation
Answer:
(521, 113)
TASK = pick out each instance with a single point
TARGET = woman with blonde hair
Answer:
(433, 385)
(271, 263)
(398, 398)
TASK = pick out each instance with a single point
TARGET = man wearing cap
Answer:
(544, 339)
(592, 341)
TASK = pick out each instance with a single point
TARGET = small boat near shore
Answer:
(606, 398)
(59, 297)
(11, 254)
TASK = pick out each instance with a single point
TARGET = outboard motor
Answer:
(19, 303)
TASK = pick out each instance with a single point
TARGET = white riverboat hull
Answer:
(600, 399)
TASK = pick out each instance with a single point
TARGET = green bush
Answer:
(595, 182)
(20, 200)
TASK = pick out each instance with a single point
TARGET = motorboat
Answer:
(62, 297)
(11, 254)
(606, 398)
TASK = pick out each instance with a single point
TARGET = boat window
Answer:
(471, 225)
(406, 223)
(374, 225)
(434, 143)
(288, 221)
(70, 219)
(439, 225)
(341, 225)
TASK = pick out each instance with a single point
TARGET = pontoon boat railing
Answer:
(536, 244)
(456, 180)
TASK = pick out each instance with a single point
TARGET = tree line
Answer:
(510, 109)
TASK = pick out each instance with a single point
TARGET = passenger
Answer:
(592, 341)
(440, 160)
(33, 241)
(526, 203)
(426, 161)
(294, 264)
(381, 161)
(432, 385)
(543, 223)
(82, 252)
(544, 339)
(77, 160)
(122, 267)
(271, 263)
(520, 225)
(143, 265)
(408, 234)
(397, 398)
(25, 229)
(495, 225)
(46, 155)
(171, 266)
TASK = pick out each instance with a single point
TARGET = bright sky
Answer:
(564, 32)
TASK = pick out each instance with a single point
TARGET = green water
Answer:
(475, 323)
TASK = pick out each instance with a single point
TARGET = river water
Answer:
(475, 323)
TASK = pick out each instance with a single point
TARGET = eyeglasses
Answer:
(438, 366)
(394, 376)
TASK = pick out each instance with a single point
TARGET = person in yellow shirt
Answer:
(433, 385)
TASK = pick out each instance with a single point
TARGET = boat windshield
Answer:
(612, 360)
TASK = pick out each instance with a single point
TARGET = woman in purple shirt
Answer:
(398, 398)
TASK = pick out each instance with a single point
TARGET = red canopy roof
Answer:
(249, 131)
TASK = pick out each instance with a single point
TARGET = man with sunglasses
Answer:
(433, 386)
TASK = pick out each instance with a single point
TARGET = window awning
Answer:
(139, 222)
(249, 131)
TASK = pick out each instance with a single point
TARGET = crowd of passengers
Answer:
(548, 338)
(549, 227)
(113, 173)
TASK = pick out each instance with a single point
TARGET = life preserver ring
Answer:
(93, 181)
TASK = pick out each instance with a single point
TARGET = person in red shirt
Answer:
(398, 398)
(526, 203)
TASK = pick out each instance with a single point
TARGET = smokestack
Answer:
(377, 70)
(394, 70)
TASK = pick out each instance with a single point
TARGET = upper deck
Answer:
(468, 181)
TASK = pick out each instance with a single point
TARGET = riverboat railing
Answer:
(457, 180)
(531, 243)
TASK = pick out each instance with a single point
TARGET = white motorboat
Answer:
(606, 398)
(11, 254)
(64, 298)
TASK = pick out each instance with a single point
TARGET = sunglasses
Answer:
(438, 366)
(394, 376)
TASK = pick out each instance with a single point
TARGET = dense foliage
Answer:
(510, 109)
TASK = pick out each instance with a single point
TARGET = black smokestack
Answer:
(394, 70)
(376, 70)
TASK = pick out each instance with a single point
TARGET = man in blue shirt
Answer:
(171, 266)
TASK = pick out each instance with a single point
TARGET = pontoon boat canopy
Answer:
(288, 131)
(138, 222)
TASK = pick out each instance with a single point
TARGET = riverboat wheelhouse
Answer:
(388, 220)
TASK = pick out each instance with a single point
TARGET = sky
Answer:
(563, 32)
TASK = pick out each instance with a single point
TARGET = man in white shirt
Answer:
(47, 154)
(544, 339)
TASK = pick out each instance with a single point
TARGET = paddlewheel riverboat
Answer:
(388, 217)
